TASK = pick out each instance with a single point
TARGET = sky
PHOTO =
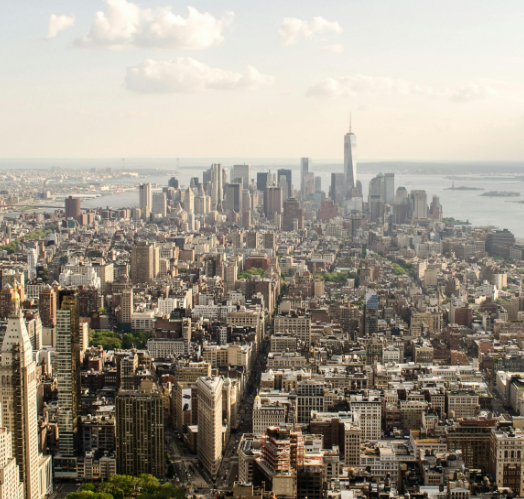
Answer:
(424, 80)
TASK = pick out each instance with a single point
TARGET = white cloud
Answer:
(471, 92)
(124, 24)
(59, 23)
(337, 48)
(186, 75)
(292, 28)
(362, 84)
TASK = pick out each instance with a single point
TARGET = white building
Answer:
(163, 348)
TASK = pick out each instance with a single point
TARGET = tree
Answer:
(137, 340)
(106, 339)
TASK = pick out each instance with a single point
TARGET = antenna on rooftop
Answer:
(350, 122)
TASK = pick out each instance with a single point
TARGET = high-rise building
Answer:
(144, 193)
(216, 178)
(140, 431)
(272, 202)
(159, 206)
(293, 217)
(10, 485)
(418, 204)
(288, 176)
(173, 182)
(435, 209)
(47, 306)
(210, 423)
(189, 200)
(242, 173)
(68, 367)
(337, 190)
(371, 314)
(304, 169)
(350, 162)
(18, 400)
(263, 181)
(233, 197)
(73, 208)
(389, 188)
(145, 258)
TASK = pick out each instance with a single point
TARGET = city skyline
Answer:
(118, 78)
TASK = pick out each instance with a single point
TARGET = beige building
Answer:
(298, 326)
(209, 445)
(145, 258)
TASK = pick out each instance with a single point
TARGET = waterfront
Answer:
(462, 205)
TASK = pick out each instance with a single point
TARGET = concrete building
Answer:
(140, 431)
(144, 199)
(144, 262)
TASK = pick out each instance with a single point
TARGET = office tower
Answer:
(189, 200)
(318, 184)
(337, 190)
(246, 199)
(209, 443)
(270, 241)
(144, 197)
(216, 179)
(6, 298)
(304, 169)
(293, 217)
(47, 306)
(350, 161)
(272, 202)
(309, 185)
(389, 188)
(435, 209)
(140, 431)
(233, 197)
(246, 218)
(310, 397)
(173, 182)
(288, 175)
(282, 183)
(242, 173)
(145, 258)
(310, 481)
(418, 205)
(401, 196)
(263, 181)
(10, 484)
(371, 314)
(68, 372)
(18, 400)
(376, 187)
(72, 208)
(159, 206)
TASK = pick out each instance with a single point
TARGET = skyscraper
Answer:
(233, 197)
(293, 217)
(18, 399)
(217, 192)
(72, 208)
(272, 202)
(159, 204)
(210, 423)
(263, 180)
(144, 191)
(350, 161)
(68, 373)
(337, 190)
(140, 431)
(242, 172)
(288, 175)
(304, 169)
(418, 204)
(389, 188)
(145, 258)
